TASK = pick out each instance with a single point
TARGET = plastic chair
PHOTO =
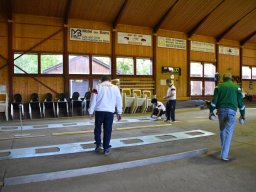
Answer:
(16, 104)
(34, 104)
(48, 104)
(62, 103)
(76, 102)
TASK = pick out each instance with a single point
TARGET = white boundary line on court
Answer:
(99, 169)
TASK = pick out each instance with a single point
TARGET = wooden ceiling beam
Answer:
(119, 15)
(162, 19)
(247, 38)
(224, 33)
(200, 23)
(9, 9)
(67, 11)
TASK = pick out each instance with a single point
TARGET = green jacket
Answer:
(228, 95)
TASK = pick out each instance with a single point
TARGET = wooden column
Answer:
(113, 55)
(241, 65)
(65, 60)
(10, 58)
(154, 46)
(188, 67)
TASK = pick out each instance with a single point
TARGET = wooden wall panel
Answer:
(247, 89)
(4, 53)
(134, 50)
(202, 56)
(229, 63)
(26, 86)
(38, 20)
(84, 47)
(26, 36)
(172, 58)
(249, 57)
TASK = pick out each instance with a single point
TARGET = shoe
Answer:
(167, 121)
(226, 159)
(159, 118)
(98, 149)
(106, 152)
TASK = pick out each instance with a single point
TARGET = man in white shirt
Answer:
(171, 101)
(103, 102)
(158, 109)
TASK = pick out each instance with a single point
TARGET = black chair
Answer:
(62, 103)
(34, 105)
(76, 103)
(48, 104)
(16, 105)
(86, 102)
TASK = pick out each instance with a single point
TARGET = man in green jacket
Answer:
(227, 98)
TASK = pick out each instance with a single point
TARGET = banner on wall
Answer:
(228, 50)
(92, 35)
(202, 46)
(134, 39)
(174, 43)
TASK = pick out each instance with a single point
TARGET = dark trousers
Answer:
(155, 112)
(105, 118)
(170, 110)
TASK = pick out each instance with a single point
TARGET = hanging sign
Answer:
(174, 43)
(92, 35)
(134, 39)
(228, 50)
(202, 46)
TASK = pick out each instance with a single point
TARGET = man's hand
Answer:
(242, 120)
(119, 117)
(212, 116)
(90, 116)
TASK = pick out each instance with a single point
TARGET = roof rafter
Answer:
(199, 24)
(162, 19)
(9, 9)
(67, 11)
(219, 37)
(119, 15)
(247, 38)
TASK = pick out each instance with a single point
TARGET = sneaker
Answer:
(159, 118)
(106, 152)
(98, 149)
(167, 121)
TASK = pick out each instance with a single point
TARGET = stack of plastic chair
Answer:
(148, 94)
(62, 103)
(76, 103)
(129, 100)
(16, 105)
(48, 105)
(140, 101)
(34, 105)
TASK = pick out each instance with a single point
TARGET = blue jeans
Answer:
(105, 118)
(227, 120)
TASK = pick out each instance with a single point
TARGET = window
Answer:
(79, 64)
(196, 69)
(202, 78)
(248, 72)
(101, 65)
(51, 64)
(78, 85)
(27, 63)
(143, 66)
(124, 66)
(196, 88)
